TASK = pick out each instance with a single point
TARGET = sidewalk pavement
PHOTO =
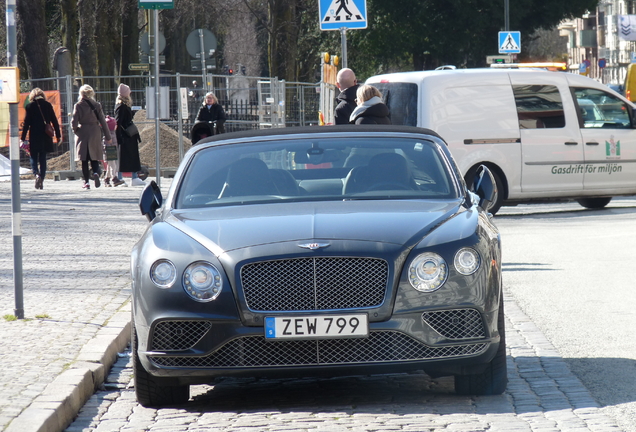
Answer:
(76, 282)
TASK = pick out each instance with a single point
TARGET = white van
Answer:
(544, 135)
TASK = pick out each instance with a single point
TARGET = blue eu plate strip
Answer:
(270, 327)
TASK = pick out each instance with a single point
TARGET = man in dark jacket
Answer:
(346, 82)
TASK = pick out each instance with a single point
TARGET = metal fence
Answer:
(249, 102)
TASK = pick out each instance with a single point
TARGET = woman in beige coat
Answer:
(89, 124)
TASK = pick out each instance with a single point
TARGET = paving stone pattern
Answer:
(542, 396)
(76, 264)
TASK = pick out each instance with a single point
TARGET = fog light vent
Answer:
(178, 335)
(456, 324)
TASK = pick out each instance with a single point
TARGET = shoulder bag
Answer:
(131, 130)
(48, 129)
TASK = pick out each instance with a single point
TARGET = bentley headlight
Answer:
(428, 272)
(202, 281)
(163, 273)
(467, 261)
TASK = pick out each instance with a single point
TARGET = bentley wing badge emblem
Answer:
(313, 246)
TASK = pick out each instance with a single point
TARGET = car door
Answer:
(551, 144)
(609, 140)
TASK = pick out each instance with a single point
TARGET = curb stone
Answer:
(62, 399)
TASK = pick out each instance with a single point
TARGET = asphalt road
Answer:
(571, 270)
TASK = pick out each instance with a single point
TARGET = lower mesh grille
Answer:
(380, 346)
(178, 335)
(456, 324)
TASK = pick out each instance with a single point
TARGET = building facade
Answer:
(600, 40)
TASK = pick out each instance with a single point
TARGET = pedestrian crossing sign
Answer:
(509, 42)
(337, 14)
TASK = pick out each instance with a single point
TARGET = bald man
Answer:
(348, 85)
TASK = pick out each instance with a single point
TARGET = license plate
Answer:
(317, 327)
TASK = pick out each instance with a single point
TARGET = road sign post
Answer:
(342, 15)
(156, 5)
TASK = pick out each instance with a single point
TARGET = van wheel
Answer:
(493, 380)
(594, 203)
(149, 390)
(498, 201)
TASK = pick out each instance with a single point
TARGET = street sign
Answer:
(602, 63)
(509, 42)
(151, 59)
(155, 4)
(138, 66)
(144, 43)
(337, 14)
(498, 59)
(193, 43)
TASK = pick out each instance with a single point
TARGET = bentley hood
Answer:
(228, 228)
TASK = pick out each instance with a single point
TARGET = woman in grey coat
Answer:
(89, 124)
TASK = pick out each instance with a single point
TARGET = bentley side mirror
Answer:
(485, 187)
(150, 200)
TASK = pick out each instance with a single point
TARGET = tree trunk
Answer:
(87, 51)
(272, 47)
(33, 40)
(129, 36)
(108, 44)
(69, 29)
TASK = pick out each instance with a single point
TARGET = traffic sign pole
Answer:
(155, 16)
(343, 41)
(342, 15)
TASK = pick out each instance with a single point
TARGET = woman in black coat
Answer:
(39, 113)
(212, 112)
(129, 160)
(370, 109)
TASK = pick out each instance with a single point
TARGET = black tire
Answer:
(494, 380)
(498, 202)
(151, 393)
(594, 203)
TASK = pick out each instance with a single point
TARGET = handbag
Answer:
(111, 152)
(48, 129)
(131, 130)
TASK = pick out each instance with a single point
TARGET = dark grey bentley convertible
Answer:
(318, 251)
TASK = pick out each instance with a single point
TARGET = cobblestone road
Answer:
(542, 395)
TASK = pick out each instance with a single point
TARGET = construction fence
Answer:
(249, 103)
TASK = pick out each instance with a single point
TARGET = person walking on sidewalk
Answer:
(129, 160)
(89, 125)
(39, 116)
(112, 161)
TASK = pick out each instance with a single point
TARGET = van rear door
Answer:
(551, 143)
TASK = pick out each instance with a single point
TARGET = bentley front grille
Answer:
(178, 335)
(315, 284)
(456, 324)
(379, 347)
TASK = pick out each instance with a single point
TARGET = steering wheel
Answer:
(388, 186)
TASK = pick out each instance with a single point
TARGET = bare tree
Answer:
(240, 40)
(69, 27)
(129, 35)
(32, 38)
(87, 49)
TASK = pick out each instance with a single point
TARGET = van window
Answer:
(539, 106)
(598, 109)
(401, 98)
